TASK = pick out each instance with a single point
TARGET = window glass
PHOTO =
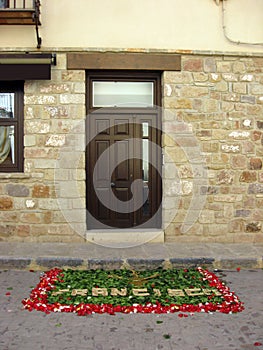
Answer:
(11, 126)
(7, 105)
(7, 145)
(3, 3)
(122, 94)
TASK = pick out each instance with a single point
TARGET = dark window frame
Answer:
(16, 87)
(123, 76)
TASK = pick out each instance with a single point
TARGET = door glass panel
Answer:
(145, 175)
(145, 163)
(7, 105)
(7, 145)
(122, 94)
(145, 129)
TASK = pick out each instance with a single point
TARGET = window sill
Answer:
(19, 176)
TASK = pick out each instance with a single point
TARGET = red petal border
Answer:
(38, 300)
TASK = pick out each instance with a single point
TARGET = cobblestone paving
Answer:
(22, 330)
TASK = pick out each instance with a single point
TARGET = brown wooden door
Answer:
(122, 152)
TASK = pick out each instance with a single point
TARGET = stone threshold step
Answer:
(123, 238)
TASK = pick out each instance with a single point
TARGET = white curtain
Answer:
(5, 143)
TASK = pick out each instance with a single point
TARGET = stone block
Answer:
(239, 67)
(200, 77)
(6, 203)
(194, 91)
(231, 148)
(242, 213)
(40, 100)
(44, 163)
(29, 140)
(240, 135)
(239, 161)
(41, 191)
(238, 262)
(61, 61)
(23, 231)
(79, 88)
(210, 105)
(248, 99)
(51, 262)
(31, 218)
(193, 64)
(145, 264)
(253, 227)
(224, 67)
(206, 217)
(231, 198)
(7, 231)
(209, 64)
(72, 98)
(36, 127)
(256, 135)
(215, 77)
(14, 263)
(256, 89)
(177, 103)
(247, 77)
(105, 264)
(225, 177)
(58, 88)
(191, 262)
(255, 164)
(255, 188)
(73, 75)
(231, 97)
(57, 111)
(248, 176)
(240, 88)
(177, 77)
(230, 77)
(248, 147)
(17, 190)
(55, 140)
(38, 153)
(255, 110)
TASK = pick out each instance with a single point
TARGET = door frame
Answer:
(127, 76)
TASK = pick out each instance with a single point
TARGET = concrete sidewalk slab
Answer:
(42, 256)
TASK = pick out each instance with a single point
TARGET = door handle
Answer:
(112, 184)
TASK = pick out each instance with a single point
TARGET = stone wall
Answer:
(219, 101)
(213, 148)
(29, 207)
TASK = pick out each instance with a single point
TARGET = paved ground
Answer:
(22, 330)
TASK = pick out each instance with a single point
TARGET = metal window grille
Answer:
(17, 4)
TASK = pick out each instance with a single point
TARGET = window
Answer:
(11, 126)
(111, 89)
(122, 94)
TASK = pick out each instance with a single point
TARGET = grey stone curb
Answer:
(45, 263)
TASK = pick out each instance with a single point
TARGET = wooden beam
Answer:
(124, 61)
(17, 17)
